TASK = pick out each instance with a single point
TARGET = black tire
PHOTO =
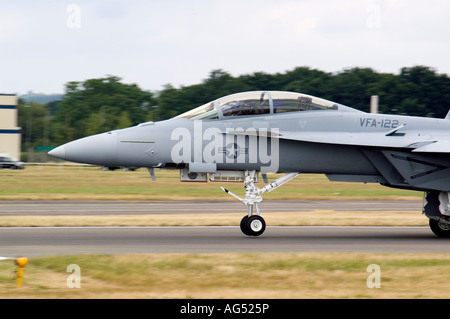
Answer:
(255, 225)
(244, 226)
(438, 230)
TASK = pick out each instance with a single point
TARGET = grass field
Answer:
(91, 183)
(239, 275)
(211, 276)
(313, 218)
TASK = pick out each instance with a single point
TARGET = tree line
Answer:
(99, 105)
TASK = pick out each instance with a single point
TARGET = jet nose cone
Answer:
(100, 149)
(59, 152)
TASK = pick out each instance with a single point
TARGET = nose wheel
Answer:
(254, 225)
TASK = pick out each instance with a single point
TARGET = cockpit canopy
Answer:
(258, 102)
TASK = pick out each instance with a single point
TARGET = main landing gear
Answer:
(254, 225)
(437, 209)
(439, 228)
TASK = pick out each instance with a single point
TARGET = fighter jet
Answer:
(242, 137)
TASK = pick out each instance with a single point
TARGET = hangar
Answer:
(10, 133)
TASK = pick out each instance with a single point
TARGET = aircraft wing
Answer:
(418, 143)
(440, 146)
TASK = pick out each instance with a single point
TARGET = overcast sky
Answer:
(45, 44)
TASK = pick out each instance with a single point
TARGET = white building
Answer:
(10, 134)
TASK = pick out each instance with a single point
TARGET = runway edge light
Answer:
(20, 263)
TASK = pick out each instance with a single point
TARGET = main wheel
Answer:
(439, 229)
(254, 226)
(244, 225)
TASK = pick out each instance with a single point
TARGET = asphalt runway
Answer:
(54, 207)
(45, 241)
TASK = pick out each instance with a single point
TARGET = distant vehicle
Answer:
(9, 162)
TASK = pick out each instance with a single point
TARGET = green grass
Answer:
(233, 275)
(91, 183)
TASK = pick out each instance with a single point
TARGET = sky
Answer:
(45, 44)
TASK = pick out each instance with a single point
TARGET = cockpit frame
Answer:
(258, 103)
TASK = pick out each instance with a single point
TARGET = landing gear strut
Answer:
(254, 225)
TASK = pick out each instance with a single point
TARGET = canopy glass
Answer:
(257, 103)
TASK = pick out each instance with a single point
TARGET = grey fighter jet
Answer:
(246, 135)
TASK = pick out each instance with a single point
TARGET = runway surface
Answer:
(16, 208)
(41, 241)
(44, 241)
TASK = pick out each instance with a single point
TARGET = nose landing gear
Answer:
(254, 225)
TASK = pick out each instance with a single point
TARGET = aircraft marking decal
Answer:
(373, 122)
